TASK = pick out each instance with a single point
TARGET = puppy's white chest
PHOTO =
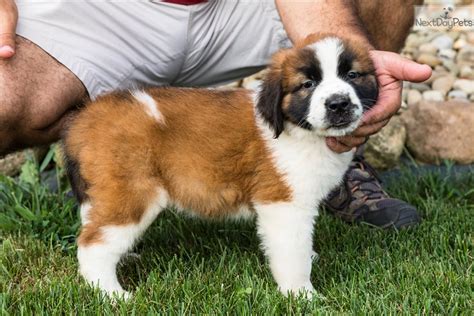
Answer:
(311, 169)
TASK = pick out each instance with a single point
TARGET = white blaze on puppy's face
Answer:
(328, 52)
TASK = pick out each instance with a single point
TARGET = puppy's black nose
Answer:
(338, 102)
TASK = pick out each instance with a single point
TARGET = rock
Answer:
(466, 55)
(442, 42)
(11, 164)
(251, 83)
(451, 66)
(259, 75)
(453, 34)
(60, 156)
(233, 84)
(383, 149)
(428, 36)
(441, 130)
(428, 48)
(466, 72)
(447, 54)
(439, 71)
(404, 94)
(408, 56)
(418, 86)
(443, 84)
(460, 43)
(464, 85)
(413, 40)
(433, 95)
(457, 95)
(470, 37)
(413, 97)
(410, 50)
(428, 59)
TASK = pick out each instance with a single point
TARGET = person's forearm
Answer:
(304, 17)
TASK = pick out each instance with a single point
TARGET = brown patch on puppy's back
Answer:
(228, 160)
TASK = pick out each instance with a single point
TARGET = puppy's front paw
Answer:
(117, 296)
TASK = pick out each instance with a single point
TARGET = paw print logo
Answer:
(446, 12)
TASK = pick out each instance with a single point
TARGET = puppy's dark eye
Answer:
(353, 75)
(308, 84)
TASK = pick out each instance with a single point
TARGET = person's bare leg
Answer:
(385, 24)
(395, 19)
(37, 95)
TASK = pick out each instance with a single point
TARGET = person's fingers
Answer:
(352, 141)
(388, 103)
(357, 138)
(8, 21)
(337, 146)
(399, 67)
(391, 68)
(368, 130)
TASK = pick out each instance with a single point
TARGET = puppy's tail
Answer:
(78, 184)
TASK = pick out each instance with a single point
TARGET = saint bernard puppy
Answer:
(220, 154)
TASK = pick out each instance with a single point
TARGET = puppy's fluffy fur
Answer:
(220, 153)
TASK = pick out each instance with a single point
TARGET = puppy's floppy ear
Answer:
(269, 101)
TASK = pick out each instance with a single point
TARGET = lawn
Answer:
(188, 266)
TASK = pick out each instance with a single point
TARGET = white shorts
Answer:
(127, 44)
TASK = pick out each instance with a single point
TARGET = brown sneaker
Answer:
(362, 199)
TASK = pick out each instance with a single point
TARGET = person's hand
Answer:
(8, 20)
(391, 69)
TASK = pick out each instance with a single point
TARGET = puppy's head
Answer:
(322, 85)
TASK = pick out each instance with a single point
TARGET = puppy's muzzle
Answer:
(339, 103)
(340, 110)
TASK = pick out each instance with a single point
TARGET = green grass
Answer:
(195, 267)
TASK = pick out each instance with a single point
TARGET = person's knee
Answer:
(29, 119)
(17, 118)
(11, 110)
(34, 104)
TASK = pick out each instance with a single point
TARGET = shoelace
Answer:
(371, 190)
(364, 166)
(365, 184)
